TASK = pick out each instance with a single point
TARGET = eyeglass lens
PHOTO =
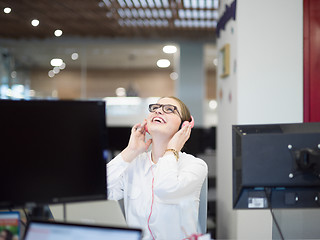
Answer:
(166, 108)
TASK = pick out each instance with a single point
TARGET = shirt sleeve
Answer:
(174, 180)
(115, 177)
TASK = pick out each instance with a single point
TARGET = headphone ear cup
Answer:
(192, 122)
(146, 129)
(188, 123)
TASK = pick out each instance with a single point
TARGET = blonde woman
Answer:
(160, 187)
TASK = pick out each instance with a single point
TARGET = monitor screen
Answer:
(9, 225)
(52, 152)
(276, 165)
(67, 231)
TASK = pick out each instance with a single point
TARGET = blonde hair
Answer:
(185, 113)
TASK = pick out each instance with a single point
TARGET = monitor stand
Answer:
(39, 212)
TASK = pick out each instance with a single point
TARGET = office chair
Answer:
(203, 207)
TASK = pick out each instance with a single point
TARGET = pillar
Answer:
(190, 86)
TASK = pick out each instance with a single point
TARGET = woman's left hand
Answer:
(179, 139)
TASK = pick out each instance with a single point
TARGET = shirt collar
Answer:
(148, 164)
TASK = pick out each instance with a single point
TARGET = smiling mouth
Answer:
(158, 120)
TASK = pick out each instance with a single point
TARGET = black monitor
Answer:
(276, 166)
(118, 138)
(52, 151)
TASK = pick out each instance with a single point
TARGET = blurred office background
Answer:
(126, 52)
(110, 49)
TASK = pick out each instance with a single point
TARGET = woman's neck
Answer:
(159, 145)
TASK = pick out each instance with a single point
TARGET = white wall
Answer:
(264, 86)
(269, 57)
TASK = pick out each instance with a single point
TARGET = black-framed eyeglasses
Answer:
(166, 108)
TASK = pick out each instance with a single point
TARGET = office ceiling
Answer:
(106, 33)
(187, 19)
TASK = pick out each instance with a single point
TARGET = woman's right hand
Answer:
(137, 143)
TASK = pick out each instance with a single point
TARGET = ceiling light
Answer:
(195, 14)
(143, 4)
(121, 13)
(7, 10)
(202, 14)
(58, 33)
(187, 4)
(56, 70)
(51, 74)
(213, 104)
(151, 4)
(109, 14)
(168, 13)
(128, 13)
(56, 62)
(148, 13)
(155, 13)
(215, 4)
(107, 3)
(122, 3)
(135, 13)
(174, 76)
(177, 23)
(169, 49)
(188, 14)
(121, 22)
(35, 22)
(165, 3)
(121, 92)
(163, 63)
(13, 74)
(201, 4)
(158, 3)
(214, 23)
(62, 66)
(74, 56)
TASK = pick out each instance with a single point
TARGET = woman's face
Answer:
(159, 121)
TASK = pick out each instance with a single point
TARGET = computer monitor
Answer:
(276, 166)
(10, 224)
(52, 151)
(69, 231)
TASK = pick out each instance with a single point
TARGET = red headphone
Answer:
(187, 122)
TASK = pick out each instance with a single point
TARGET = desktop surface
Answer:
(103, 212)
